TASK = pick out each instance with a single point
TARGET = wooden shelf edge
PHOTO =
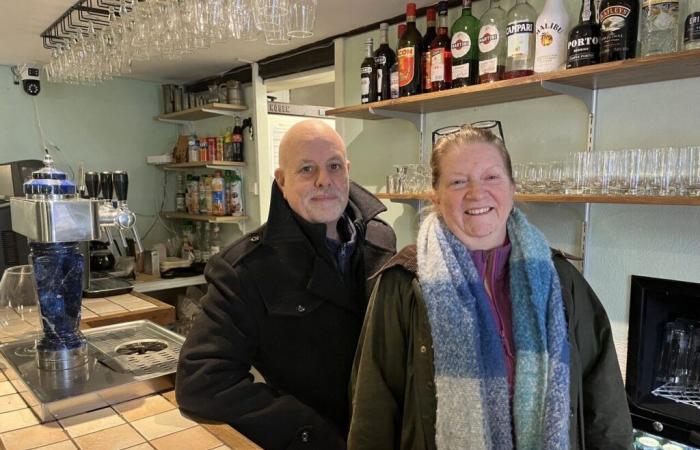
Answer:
(202, 112)
(201, 164)
(673, 66)
(173, 215)
(582, 198)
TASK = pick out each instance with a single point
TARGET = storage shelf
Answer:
(223, 165)
(667, 67)
(203, 217)
(202, 112)
(561, 198)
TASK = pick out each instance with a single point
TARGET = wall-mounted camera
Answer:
(30, 79)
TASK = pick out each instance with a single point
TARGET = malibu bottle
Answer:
(520, 30)
(368, 75)
(618, 29)
(583, 48)
(441, 53)
(465, 49)
(492, 44)
(552, 33)
(409, 56)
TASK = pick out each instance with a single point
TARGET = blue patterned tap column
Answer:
(59, 270)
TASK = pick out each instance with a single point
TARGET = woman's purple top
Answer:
(493, 268)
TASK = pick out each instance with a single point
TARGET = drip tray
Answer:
(125, 361)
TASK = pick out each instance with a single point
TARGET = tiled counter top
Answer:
(152, 422)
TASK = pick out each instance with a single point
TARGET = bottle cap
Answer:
(411, 9)
(383, 26)
(431, 15)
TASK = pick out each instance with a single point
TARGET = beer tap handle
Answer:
(106, 185)
(92, 184)
(137, 240)
(124, 243)
(121, 184)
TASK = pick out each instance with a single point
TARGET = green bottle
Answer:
(465, 47)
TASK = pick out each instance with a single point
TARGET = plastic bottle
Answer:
(207, 195)
(236, 187)
(218, 207)
(192, 148)
(228, 144)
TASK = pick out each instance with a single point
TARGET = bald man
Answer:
(289, 299)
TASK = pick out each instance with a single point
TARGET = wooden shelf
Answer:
(203, 112)
(203, 217)
(224, 165)
(667, 67)
(562, 198)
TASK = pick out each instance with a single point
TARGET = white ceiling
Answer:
(22, 22)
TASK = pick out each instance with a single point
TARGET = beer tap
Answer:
(94, 183)
(127, 218)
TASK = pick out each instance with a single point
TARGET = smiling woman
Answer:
(467, 342)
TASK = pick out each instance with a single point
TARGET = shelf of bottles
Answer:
(203, 112)
(572, 198)
(203, 217)
(217, 165)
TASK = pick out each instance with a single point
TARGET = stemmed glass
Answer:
(19, 306)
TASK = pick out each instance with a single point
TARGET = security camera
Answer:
(30, 80)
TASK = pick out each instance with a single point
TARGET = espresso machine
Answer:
(71, 370)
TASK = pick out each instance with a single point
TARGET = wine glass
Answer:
(19, 306)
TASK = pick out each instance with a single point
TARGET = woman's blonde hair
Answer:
(466, 135)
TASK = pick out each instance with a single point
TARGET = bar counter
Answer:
(150, 422)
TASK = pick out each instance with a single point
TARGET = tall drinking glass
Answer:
(19, 307)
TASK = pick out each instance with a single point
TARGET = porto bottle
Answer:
(368, 74)
(465, 49)
(492, 44)
(384, 58)
(618, 29)
(583, 47)
(520, 32)
(441, 53)
(409, 56)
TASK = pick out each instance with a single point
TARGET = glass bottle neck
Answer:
(368, 50)
(466, 7)
(586, 13)
(383, 37)
(442, 24)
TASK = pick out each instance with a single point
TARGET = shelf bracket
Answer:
(587, 96)
(417, 119)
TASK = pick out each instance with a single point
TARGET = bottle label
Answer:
(614, 29)
(407, 63)
(367, 70)
(549, 47)
(437, 64)
(460, 71)
(692, 28)
(488, 66)
(425, 64)
(488, 38)
(518, 34)
(380, 76)
(237, 138)
(380, 60)
(364, 85)
(394, 78)
(461, 44)
(586, 13)
(660, 15)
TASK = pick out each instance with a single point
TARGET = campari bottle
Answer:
(520, 32)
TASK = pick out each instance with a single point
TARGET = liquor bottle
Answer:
(394, 71)
(465, 51)
(409, 56)
(492, 44)
(441, 53)
(368, 74)
(551, 35)
(583, 48)
(426, 47)
(658, 27)
(237, 140)
(691, 28)
(618, 29)
(384, 58)
(520, 31)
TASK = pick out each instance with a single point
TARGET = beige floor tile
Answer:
(29, 398)
(65, 445)
(91, 422)
(11, 402)
(196, 438)
(102, 306)
(30, 437)
(141, 447)
(14, 420)
(223, 447)
(7, 388)
(10, 374)
(162, 424)
(2, 375)
(19, 385)
(143, 407)
(115, 438)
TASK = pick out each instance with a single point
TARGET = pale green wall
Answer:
(656, 241)
(108, 127)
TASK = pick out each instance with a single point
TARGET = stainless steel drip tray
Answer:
(125, 361)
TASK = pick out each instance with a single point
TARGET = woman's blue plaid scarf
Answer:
(473, 409)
